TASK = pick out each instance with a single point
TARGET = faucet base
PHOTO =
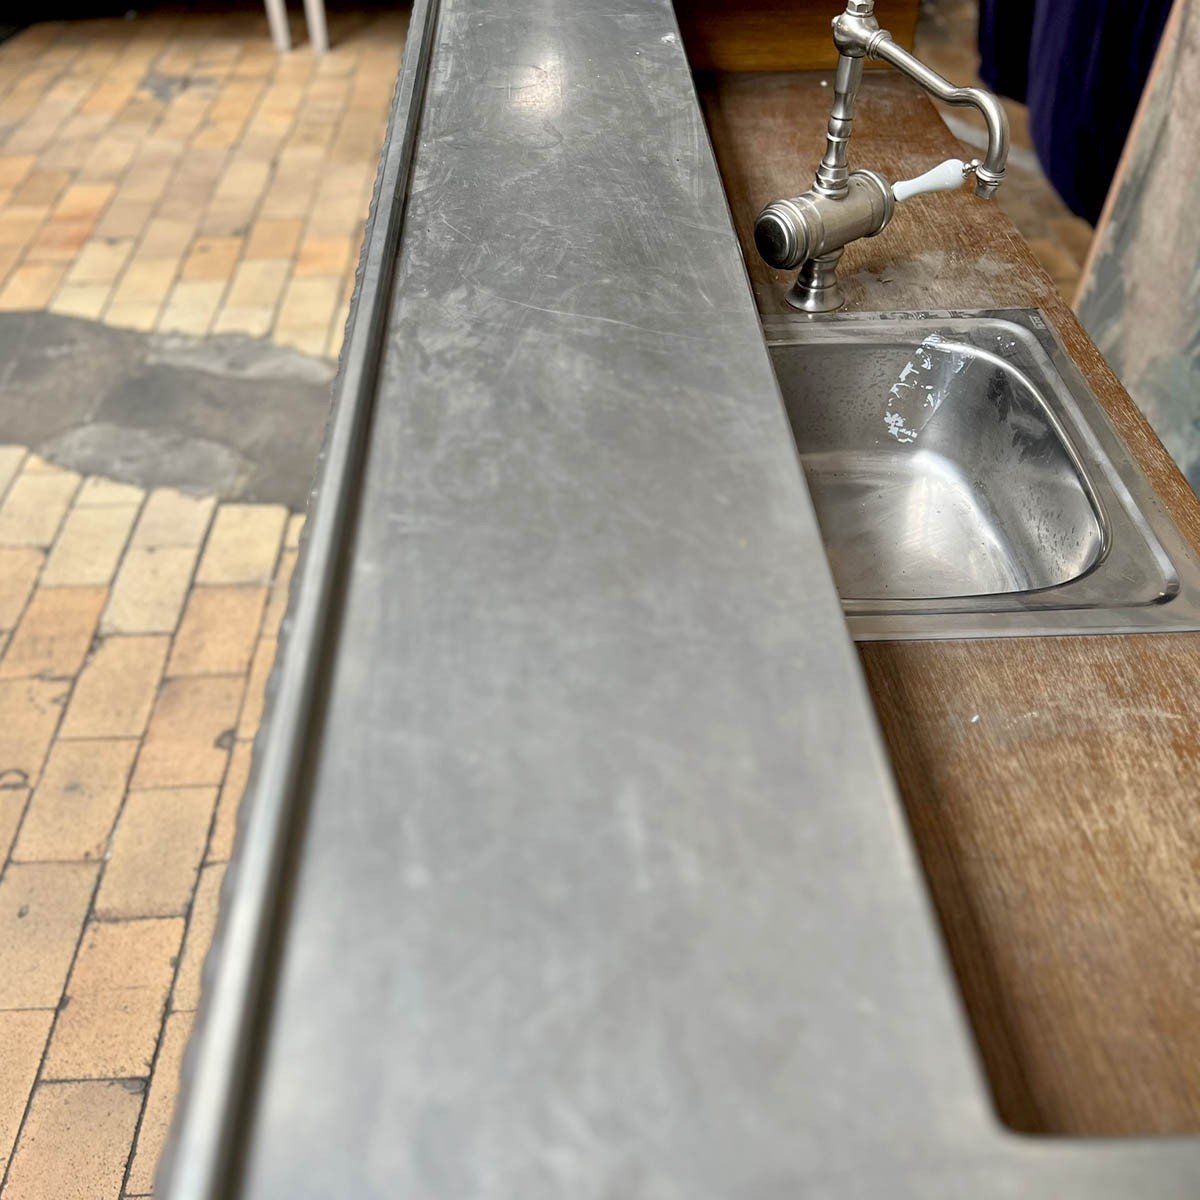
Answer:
(816, 289)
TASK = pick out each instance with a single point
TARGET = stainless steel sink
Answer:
(968, 484)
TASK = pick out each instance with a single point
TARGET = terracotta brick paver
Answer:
(23, 1035)
(116, 997)
(237, 773)
(169, 173)
(200, 931)
(30, 710)
(260, 672)
(244, 544)
(150, 589)
(127, 714)
(75, 1142)
(172, 518)
(115, 692)
(160, 1104)
(42, 908)
(90, 545)
(190, 732)
(19, 568)
(77, 798)
(35, 505)
(12, 808)
(11, 458)
(156, 853)
(277, 602)
(54, 633)
(218, 632)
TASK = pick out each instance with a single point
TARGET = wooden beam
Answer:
(775, 35)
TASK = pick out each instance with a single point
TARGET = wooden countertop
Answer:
(1060, 830)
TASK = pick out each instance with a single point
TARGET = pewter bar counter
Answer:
(573, 868)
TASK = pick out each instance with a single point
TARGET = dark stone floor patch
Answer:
(230, 416)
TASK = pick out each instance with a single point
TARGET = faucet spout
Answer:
(990, 173)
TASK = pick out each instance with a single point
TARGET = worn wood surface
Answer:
(1052, 785)
(775, 35)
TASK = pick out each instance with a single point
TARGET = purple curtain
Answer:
(1080, 65)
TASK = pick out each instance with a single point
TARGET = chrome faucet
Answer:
(811, 231)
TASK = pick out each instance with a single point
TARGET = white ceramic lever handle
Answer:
(945, 177)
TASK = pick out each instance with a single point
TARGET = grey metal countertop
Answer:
(573, 866)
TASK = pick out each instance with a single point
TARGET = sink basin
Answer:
(968, 484)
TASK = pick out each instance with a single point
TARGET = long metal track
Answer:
(201, 1155)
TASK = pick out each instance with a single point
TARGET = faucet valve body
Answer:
(809, 226)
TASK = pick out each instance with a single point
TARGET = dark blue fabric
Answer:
(1005, 34)
(1080, 65)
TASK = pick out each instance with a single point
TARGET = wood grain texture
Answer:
(1052, 784)
(775, 35)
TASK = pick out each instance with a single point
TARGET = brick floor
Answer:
(173, 173)
(168, 173)
(124, 750)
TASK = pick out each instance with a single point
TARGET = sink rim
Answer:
(1139, 540)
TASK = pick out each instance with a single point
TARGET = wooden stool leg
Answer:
(277, 20)
(318, 34)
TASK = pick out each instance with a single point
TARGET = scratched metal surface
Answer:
(597, 884)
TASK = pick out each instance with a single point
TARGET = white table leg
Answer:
(318, 34)
(277, 20)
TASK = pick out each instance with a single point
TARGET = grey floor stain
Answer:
(230, 416)
(166, 87)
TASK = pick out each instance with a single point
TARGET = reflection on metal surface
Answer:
(921, 386)
(968, 484)
(538, 89)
